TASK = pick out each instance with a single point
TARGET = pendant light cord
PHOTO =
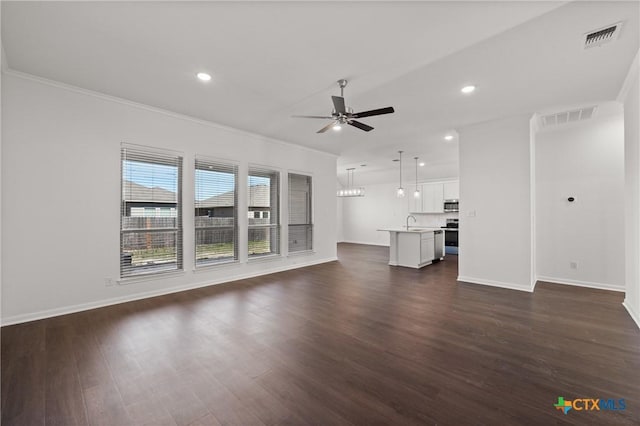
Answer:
(400, 152)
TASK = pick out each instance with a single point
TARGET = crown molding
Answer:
(632, 75)
(115, 99)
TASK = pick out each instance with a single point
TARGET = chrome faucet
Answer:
(412, 217)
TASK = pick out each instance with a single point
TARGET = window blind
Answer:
(151, 212)
(263, 212)
(216, 212)
(300, 216)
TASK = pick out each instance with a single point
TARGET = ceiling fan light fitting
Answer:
(468, 89)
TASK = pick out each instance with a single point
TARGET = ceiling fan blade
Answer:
(313, 116)
(327, 127)
(338, 104)
(379, 111)
(360, 125)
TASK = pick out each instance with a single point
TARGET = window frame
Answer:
(311, 206)
(258, 170)
(223, 163)
(139, 153)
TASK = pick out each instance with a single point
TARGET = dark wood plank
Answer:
(348, 342)
(104, 406)
(64, 401)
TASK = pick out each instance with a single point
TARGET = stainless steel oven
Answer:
(451, 236)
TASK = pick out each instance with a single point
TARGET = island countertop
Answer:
(411, 230)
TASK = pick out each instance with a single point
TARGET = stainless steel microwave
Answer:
(451, 205)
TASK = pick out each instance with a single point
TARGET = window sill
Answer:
(301, 253)
(267, 258)
(213, 266)
(150, 277)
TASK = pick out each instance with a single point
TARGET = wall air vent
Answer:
(565, 117)
(602, 35)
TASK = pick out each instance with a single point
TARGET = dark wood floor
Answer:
(349, 342)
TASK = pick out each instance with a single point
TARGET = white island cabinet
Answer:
(415, 247)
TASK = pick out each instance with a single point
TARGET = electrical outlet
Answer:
(109, 282)
(573, 265)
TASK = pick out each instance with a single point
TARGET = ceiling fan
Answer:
(343, 115)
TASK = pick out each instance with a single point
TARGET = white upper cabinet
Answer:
(451, 190)
(432, 198)
(415, 204)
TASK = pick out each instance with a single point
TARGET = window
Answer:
(264, 200)
(151, 212)
(216, 212)
(300, 217)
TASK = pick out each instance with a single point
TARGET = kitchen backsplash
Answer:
(433, 220)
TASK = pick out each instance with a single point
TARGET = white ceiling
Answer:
(270, 60)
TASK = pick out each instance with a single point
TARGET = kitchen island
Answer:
(415, 247)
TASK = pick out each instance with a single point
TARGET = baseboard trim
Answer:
(493, 283)
(365, 243)
(578, 283)
(48, 313)
(634, 315)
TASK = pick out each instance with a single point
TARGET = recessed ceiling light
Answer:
(448, 138)
(337, 127)
(363, 165)
(468, 89)
(203, 76)
(421, 164)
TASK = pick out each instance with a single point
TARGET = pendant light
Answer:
(350, 190)
(400, 191)
(416, 194)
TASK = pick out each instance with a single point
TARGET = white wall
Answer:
(380, 208)
(630, 96)
(3, 64)
(61, 195)
(339, 216)
(495, 204)
(584, 160)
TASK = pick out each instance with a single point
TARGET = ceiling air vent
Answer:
(602, 35)
(565, 117)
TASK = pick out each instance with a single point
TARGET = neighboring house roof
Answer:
(258, 197)
(137, 193)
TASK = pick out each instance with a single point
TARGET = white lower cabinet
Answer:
(427, 248)
(411, 249)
